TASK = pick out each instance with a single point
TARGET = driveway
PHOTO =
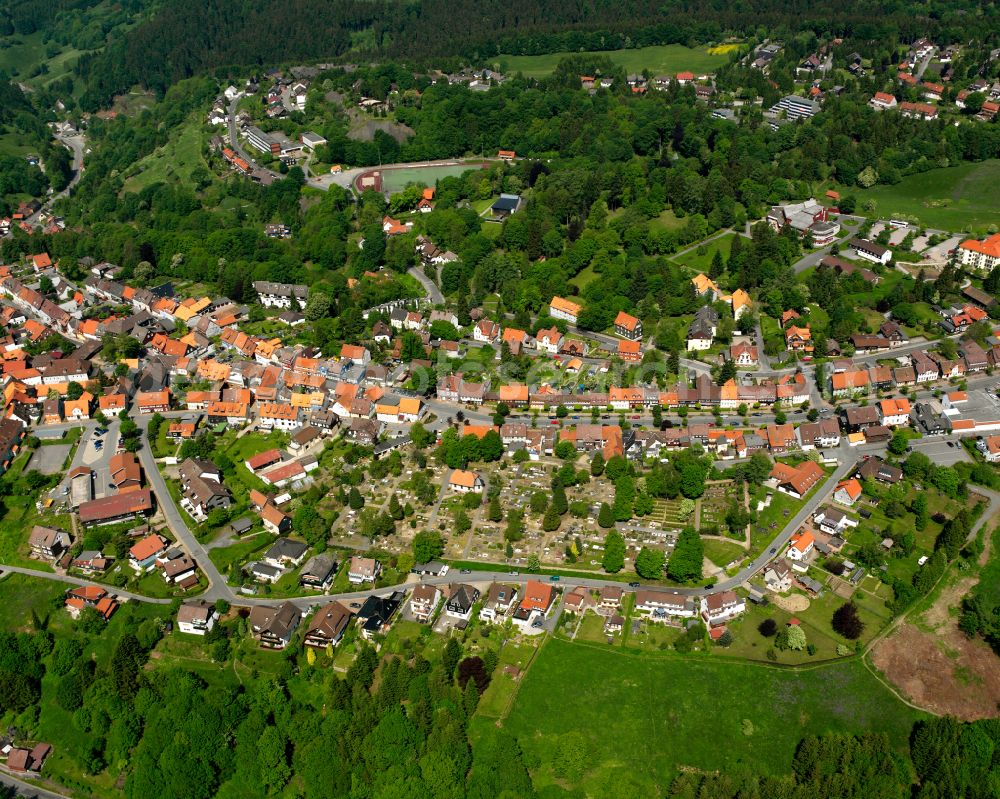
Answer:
(433, 292)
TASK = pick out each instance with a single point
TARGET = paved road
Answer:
(433, 292)
(28, 789)
(234, 142)
(218, 589)
(813, 258)
(779, 543)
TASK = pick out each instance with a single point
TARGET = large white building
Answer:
(980, 256)
(279, 295)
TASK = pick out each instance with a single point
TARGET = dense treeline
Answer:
(169, 733)
(184, 40)
(951, 760)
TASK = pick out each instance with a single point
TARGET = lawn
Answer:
(641, 713)
(661, 59)
(947, 199)
(225, 557)
(584, 278)
(721, 553)
(700, 258)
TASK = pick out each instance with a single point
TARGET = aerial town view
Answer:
(539, 401)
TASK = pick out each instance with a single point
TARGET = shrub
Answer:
(847, 622)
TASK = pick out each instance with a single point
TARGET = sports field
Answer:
(396, 178)
(641, 713)
(944, 199)
(665, 59)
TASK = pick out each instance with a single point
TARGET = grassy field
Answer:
(20, 54)
(585, 278)
(639, 714)
(667, 221)
(21, 594)
(174, 161)
(950, 199)
(700, 258)
(661, 59)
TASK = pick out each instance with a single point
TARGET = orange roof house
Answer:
(537, 596)
(848, 492)
(560, 305)
(513, 395)
(802, 542)
(703, 284)
(629, 350)
(464, 480)
(626, 321)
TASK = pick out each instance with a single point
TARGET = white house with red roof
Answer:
(801, 546)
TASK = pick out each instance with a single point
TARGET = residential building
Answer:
(778, 576)
(363, 570)
(499, 602)
(871, 251)
(663, 605)
(202, 490)
(424, 602)
(833, 521)
(796, 481)
(801, 546)
(143, 554)
(196, 618)
(628, 326)
(318, 572)
(847, 492)
(878, 469)
(328, 626)
(461, 600)
(48, 543)
(895, 412)
(280, 295)
(274, 627)
(375, 614)
(286, 553)
(882, 101)
(717, 609)
(560, 308)
(990, 447)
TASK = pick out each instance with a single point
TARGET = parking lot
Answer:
(939, 452)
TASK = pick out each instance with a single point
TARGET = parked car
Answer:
(635, 585)
(554, 578)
